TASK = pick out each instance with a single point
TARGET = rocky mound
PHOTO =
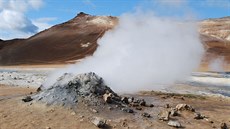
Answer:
(69, 88)
(87, 88)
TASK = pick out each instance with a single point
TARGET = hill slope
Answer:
(61, 43)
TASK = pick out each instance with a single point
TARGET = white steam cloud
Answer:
(141, 52)
(217, 65)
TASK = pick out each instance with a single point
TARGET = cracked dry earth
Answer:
(16, 114)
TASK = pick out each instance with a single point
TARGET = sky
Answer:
(24, 18)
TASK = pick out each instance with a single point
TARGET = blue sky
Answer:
(64, 10)
(23, 18)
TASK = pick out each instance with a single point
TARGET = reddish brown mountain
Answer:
(62, 43)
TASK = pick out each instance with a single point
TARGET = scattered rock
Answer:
(93, 110)
(134, 104)
(130, 100)
(107, 97)
(185, 107)
(124, 100)
(51, 110)
(124, 124)
(99, 122)
(27, 99)
(210, 121)
(167, 106)
(128, 110)
(138, 108)
(81, 116)
(73, 113)
(198, 116)
(174, 124)
(142, 102)
(164, 115)
(174, 112)
(149, 105)
(48, 127)
(110, 108)
(146, 115)
(223, 126)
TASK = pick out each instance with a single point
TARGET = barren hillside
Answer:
(61, 43)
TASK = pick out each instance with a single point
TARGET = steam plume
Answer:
(217, 65)
(142, 51)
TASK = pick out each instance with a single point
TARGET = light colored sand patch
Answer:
(22, 79)
(85, 44)
(102, 20)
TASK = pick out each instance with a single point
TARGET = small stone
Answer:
(151, 105)
(134, 104)
(81, 116)
(138, 108)
(174, 124)
(99, 122)
(210, 121)
(223, 126)
(124, 100)
(93, 110)
(146, 115)
(51, 110)
(73, 113)
(48, 127)
(128, 110)
(185, 107)
(27, 99)
(142, 102)
(124, 124)
(174, 112)
(167, 106)
(130, 100)
(198, 116)
(164, 115)
(107, 97)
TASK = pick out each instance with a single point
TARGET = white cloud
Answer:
(21, 5)
(43, 23)
(14, 21)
